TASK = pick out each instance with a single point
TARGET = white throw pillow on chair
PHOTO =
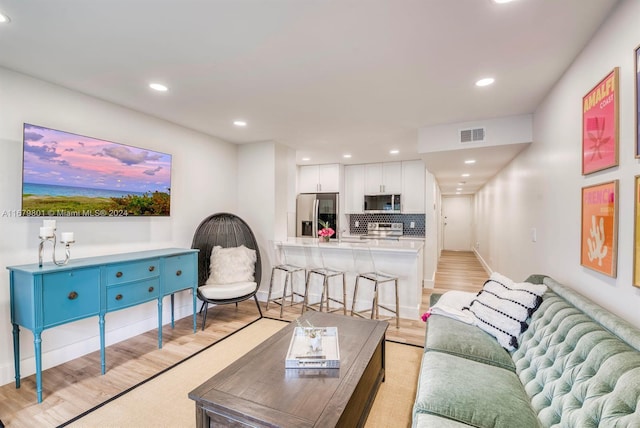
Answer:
(230, 265)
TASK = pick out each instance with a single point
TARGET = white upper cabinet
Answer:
(354, 189)
(319, 178)
(383, 177)
(413, 187)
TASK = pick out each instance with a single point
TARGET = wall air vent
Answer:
(472, 135)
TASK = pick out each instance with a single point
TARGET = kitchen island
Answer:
(402, 258)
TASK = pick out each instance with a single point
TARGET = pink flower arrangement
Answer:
(326, 232)
(426, 316)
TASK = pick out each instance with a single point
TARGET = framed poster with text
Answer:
(636, 235)
(637, 103)
(599, 232)
(600, 125)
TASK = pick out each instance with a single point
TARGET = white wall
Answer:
(203, 182)
(432, 231)
(541, 188)
(265, 196)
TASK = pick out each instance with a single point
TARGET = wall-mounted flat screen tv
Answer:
(66, 174)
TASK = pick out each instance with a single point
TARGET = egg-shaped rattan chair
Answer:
(225, 230)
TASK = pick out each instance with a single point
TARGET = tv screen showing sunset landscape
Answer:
(66, 174)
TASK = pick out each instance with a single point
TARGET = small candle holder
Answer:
(50, 236)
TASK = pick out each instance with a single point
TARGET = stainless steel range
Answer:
(391, 231)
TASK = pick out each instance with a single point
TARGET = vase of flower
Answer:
(326, 232)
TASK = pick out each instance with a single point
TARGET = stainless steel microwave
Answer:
(382, 203)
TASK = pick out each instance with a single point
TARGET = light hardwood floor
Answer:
(73, 387)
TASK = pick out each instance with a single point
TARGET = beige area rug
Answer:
(163, 401)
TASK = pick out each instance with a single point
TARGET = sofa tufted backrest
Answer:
(580, 364)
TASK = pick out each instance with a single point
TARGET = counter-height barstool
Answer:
(367, 273)
(313, 253)
(289, 270)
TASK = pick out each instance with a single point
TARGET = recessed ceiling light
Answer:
(239, 123)
(465, 175)
(158, 87)
(459, 188)
(470, 161)
(346, 156)
(306, 159)
(485, 82)
(4, 19)
(458, 193)
(462, 183)
(502, 1)
(394, 151)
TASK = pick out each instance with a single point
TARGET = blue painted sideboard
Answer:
(51, 295)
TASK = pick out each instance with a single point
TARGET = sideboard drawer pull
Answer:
(152, 268)
(178, 273)
(73, 295)
(118, 274)
(151, 289)
(119, 297)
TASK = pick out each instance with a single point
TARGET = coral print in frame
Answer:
(636, 233)
(600, 125)
(599, 234)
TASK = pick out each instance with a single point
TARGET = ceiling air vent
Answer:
(472, 135)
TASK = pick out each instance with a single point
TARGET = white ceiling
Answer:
(326, 77)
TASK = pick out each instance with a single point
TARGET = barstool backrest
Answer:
(312, 254)
(362, 257)
(278, 254)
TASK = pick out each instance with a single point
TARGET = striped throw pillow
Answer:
(502, 308)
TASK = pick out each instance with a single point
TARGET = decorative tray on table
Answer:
(313, 347)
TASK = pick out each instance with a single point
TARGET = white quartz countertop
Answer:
(379, 245)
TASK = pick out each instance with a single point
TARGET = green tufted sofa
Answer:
(577, 365)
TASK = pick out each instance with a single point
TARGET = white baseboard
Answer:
(54, 357)
(429, 282)
(483, 262)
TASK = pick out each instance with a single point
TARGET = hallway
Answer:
(459, 270)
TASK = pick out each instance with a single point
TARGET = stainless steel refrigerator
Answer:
(312, 207)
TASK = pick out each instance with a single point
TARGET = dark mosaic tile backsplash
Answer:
(406, 219)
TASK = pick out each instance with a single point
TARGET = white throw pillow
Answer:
(229, 265)
(502, 308)
(451, 304)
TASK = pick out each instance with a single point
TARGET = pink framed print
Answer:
(600, 125)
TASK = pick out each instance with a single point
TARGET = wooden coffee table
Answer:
(257, 390)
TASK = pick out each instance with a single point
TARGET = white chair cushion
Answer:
(233, 264)
(227, 291)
